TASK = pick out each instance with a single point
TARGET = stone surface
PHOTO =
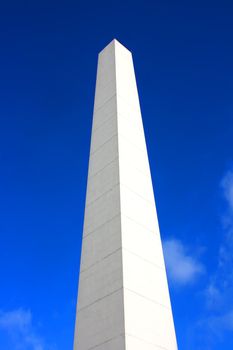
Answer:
(123, 301)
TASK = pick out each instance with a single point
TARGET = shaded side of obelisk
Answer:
(123, 301)
(100, 313)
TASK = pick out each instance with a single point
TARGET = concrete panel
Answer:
(103, 181)
(136, 181)
(101, 242)
(135, 343)
(113, 344)
(145, 278)
(104, 133)
(102, 210)
(104, 113)
(106, 153)
(148, 321)
(133, 155)
(100, 279)
(138, 208)
(140, 241)
(100, 322)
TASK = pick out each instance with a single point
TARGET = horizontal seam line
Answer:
(134, 168)
(112, 161)
(158, 346)
(105, 122)
(148, 261)
(99, 299)
(99, 261)
(97, 228)
(134, 145)
(114, 217)
(137, 194)
(138, 223)
(130, 104)
(119, 183)
(151, 300)
(104, 144)
(124, 117)
(98, 108)
(103, 194)
(107, 341)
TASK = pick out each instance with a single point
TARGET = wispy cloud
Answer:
(227, 187)
(222, 322)
(218, 318)
(183, 268)
(19, 327)
(218, 292)
(210, 330)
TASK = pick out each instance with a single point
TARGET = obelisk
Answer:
(123, 298)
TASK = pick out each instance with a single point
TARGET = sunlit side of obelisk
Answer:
(123, 300)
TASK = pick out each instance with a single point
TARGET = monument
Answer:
(123, 298)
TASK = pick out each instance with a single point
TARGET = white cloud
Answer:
(18, 325)
(227, 187)
(221, 322)
(181, 266)
(221, 282)
(218, 317)
(210, 330)
(213, 296)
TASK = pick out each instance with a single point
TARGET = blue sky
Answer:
(183, 54)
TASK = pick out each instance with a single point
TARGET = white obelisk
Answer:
(123, 301)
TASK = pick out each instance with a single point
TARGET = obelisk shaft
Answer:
(123, 301)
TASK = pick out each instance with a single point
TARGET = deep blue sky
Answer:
(183, 54)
